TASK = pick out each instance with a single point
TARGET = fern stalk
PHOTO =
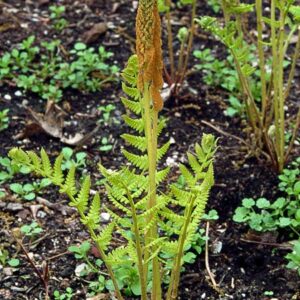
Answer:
(150, 117)
(139, 249)
(261, 58)
(175, 275)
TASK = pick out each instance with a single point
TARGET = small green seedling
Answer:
(69, 160)
(59, 23)
(68, 295)
(294, 257)
(105, 145)
(31, 230)
(4, 119)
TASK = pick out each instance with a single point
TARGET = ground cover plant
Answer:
(94, 140)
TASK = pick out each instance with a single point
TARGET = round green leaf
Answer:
(262, 203)
(248, 202)
(14, 262)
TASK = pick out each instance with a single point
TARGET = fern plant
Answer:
(140, 199)
(267, 116)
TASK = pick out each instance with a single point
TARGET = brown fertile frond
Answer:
(148, 48)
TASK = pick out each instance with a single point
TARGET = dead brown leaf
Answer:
(52, 123)
(94, 33)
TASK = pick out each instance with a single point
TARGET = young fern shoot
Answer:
(160, 217)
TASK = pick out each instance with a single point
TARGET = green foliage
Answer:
(67, 295)
(263, 97)
(28, 191)
(262, 215)
(215, 5)
(31, 230)
(4, 119)
(59, 23)
(294, 257)
(8, 169)
(177, 211)
(69, 159)
(106, 115)
(44, 69)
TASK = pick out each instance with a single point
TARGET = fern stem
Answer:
(151, 117)
(138, 247)
(261, 58)
(293, 68)
(190, 43)
(175, 275)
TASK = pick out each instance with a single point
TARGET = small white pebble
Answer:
(105, 217)
(18, 93)
(7, 97)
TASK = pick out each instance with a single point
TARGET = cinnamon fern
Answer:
(160, 216)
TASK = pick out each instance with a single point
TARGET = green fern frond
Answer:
(134, 106)
(123, 222)
(69, 186)
(118, 205)
(138, 142)
(162, 175)
(58, 176)
(161, 125)
(174, 217)
(136, 124)
(131, 250)
(162, 151)
(93, 218)
(19, 156)
(129, 78)
(47, 168)
(153, 221)
(82, 199)
(142, 203)
(131, 91)
(170, 247)
(105, 236)
(197, 168)
(118, 256)
(140, 161)
(35, 160)
(181, 195)
(188, 176)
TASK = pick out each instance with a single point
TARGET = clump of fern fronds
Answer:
(135, 201)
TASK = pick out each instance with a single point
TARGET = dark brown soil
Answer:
(243, 270)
